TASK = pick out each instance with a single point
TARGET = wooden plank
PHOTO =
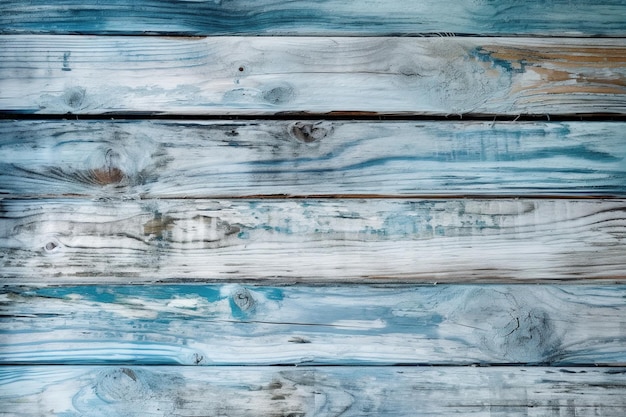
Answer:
(385, 240)
(71, 391)
(148, 159)
(326, 17)
(235, 324)
(267, 75)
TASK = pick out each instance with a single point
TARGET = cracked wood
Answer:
(234, 324)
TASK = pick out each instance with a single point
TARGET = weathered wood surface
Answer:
(172, 203)
(327, 17)
(72, 391)
(269, 75)
(233, 324)
(78, 240)
(149, 159)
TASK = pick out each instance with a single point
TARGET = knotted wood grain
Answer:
(464, 240)
(235, 324)
(195, 159)
(268, 75)
(311, 391)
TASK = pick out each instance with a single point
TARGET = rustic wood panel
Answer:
(339, 325)
(88, 208)
(71, 391)
(243, 158)
(268, 75)
(569, 17)
(313, 240)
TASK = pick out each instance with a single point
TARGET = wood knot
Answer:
(73, 97)
(529, 336)
(309, 132)
(122, 383)
(51, 246)
(106, 176)
(109, 173)
(279, 95)
(159, 226)
(242, 301)
(154, 391)
(508, 325)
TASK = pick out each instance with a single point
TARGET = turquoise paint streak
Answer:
(428, 158)
(167, 324)
(214, 294)
(240, 17)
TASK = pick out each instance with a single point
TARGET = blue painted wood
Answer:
(294, 75)
(168, 159)
(327, 240)
(44, 242)
(137, 391)
(231, 324)
(324, 17)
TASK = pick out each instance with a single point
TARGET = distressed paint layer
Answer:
(465, 240)
(73, 391)
(164, 159)
(63, 241)
(327, 17)
(340, 325)
(268, 75)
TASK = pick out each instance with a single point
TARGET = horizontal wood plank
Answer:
(77, 240)
(71, 391)
(235, 324)
(268, 75)
(326, 17)
(165, 159)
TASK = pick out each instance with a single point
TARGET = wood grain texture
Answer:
(268, 75)
(164, 159)
(72, 391)
(234, 273)
(53, 241)
(326, 17)
(235, 324)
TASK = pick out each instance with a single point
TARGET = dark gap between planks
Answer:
(338, 116)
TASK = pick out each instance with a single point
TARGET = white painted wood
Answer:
(82, 241)
(115, 231)
(164, 159)
(71, 391)
(267, 75)
(234, 324)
